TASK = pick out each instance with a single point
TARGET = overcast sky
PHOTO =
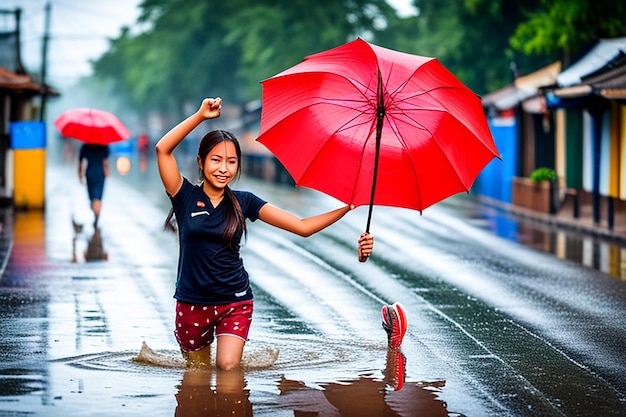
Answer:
(79, 32)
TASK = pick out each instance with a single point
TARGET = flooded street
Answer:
(495, 328)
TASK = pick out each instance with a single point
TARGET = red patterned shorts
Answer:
(197, 325)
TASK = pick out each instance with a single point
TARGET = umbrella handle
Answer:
(369, 218)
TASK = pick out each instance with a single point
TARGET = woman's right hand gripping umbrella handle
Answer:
(366, 246)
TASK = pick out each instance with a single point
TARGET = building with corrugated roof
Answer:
(573, 121)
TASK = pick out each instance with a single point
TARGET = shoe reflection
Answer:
(208, 392)
(395, 371)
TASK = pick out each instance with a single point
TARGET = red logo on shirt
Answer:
(200, 204)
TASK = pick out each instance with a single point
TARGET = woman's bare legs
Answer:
(229, 353)
(200, 358)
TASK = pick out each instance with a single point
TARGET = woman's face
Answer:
(220, 165)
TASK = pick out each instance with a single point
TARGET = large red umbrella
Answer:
(91, 126)
(369, 125)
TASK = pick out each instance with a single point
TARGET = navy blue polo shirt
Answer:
(209, 271)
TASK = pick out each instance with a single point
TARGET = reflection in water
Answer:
(95, 247)
(366, 396)
(395, 371)
(23, 309)
(205, 392)
(213, 392)
(594, 252)
(363, 397)
(28, 239)
(586, 250)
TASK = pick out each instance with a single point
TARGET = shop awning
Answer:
(525, 88)
(608, 82)
(601, 55)
(12, 81)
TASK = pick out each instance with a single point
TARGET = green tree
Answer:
(274, 35)
(569, 26)
(190, 49)
(193, 49)
(470, 37)
(179, 58)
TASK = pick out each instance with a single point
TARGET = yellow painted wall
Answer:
(622, 145)
(560, 143)
(29, 167)
(614, 157)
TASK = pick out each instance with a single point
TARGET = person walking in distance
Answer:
(93, 167)
(214, 298)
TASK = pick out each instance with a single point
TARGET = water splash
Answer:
(254, 359)
(147, 356)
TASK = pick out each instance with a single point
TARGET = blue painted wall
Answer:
(495, 181)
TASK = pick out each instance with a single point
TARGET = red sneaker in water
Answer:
(395, 324)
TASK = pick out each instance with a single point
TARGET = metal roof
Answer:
(16, 82)
(524, 88)
(504, 98)
(605, 51)
(19, 83)
(543, 77)
(608, 81)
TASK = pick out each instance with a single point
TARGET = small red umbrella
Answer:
(91, 126)
(369, 125)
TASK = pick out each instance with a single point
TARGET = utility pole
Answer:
(18, 67)
(44, 63)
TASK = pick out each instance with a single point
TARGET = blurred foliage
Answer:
(569, 26)
(192, 49)
(187, 50)
(471, 38)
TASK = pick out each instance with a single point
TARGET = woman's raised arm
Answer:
(168, 168)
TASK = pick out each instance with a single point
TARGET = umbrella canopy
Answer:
(91, 126)
(369, 125)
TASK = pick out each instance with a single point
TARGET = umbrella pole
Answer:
(380, 115)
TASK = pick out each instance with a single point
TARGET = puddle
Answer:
(363, 396)
(148, 360)
(157, 382)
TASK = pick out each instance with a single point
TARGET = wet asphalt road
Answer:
(496, 329)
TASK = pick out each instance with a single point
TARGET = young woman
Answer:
(212, 290)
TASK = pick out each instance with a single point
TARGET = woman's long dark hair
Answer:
(235, 220)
